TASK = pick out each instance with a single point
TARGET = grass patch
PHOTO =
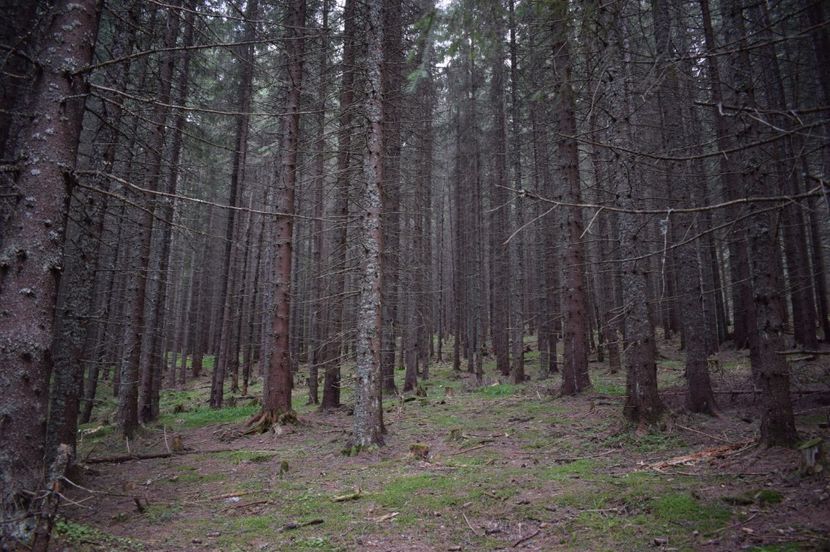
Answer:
(207, 416)
(682, 508)
(162, 513)
(240, 456)
(650, 442)
(609, 388)
(84, 537)
(498, 390)
(200, 478)
(578, 468)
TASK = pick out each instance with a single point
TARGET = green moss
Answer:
(768, 496)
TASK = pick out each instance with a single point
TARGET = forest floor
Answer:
(508, 467)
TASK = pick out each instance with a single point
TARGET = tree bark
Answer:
(237, 180)
(368, 411)
(31, 262)
(333, 339)
(575, 377)
(276, 394)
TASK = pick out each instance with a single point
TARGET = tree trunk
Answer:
(237, 180)
(499, 207)
(368, 410)
(517, 257)
(333, 339)
(575, 377)
(31, 263)
(276, 394)
(392, 101)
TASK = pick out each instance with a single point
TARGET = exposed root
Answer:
(266, 419)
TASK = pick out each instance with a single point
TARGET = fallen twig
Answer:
(688, 459)
(296, 525)
(525, 539)
(469, 524)
(482, 445)
(247, 504)
(385, 517)
(715, 437)
(346, 497)
(231, 495)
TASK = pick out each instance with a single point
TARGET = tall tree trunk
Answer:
(237, 180)
(700, 397)
(31, 264)
(276, 394)
(769, 367)
(642, 404)
(333, 339)
(392, 105)
(575, 377)
(517, 257)
(368, 410)
(136, 366)
(499, 207)
(730, 185)
(318, 309)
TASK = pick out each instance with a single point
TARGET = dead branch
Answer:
(296, 525)
(525, 539)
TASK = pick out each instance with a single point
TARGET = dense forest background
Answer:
(320, 197)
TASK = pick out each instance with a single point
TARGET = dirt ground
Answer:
(495, 467)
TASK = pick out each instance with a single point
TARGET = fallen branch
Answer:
(231, 495)
(589, 457)
(468, 449)
(247, 504)
(297, 525)
(525, 539)
(469, 524)
(689, 459)
(346, 497)
(130, 457)
(386, 517)
(715, 437)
